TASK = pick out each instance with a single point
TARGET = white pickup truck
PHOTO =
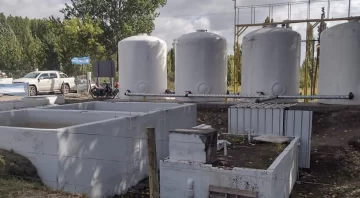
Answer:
(47, 81)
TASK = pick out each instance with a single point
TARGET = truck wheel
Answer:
(65, 89)
(32, 90)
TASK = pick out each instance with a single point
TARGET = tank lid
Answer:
(201, 30)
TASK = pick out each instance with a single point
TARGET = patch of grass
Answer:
(19, 178)
(10, 188)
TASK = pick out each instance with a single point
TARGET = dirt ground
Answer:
(335, 165)
(9, 98)
(241, 153)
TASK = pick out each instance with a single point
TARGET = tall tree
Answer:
(10, 48)
(230, 67)
(31, 49)
(78, 37)
(238, 55)
(308, 66)
(171, 66)
(42, 29)
(118, 18)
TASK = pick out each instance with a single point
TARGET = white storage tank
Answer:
(142, 65)
(339, 72)
(271, 62)
(201, 65)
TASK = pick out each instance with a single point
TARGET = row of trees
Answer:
(89, 28)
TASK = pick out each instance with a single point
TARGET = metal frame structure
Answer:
(239, 29)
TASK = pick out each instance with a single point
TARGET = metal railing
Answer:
(259, 98)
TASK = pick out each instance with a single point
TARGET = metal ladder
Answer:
(223, 192)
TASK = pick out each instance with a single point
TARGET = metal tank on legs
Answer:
(271, 62)
(339, 72)
(142, 65)
(200, 65)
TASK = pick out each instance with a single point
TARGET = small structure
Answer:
(195, 168)
(274, 119)
(95, 148)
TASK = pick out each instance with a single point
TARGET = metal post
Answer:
(349, 11)
(88, 80)
(251, 15)
(234, 61)
(153, 164)
(308, 12)
(269, 11)
(288, 11)
(328, 10)
(313, 66)
(254, 15)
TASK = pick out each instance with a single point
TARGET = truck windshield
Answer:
(32, 75)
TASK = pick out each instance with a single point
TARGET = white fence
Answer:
(277, 119)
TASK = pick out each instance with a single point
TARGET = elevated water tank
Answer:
(142, 65)
(339, 71)
(271, 62)
(201, 64)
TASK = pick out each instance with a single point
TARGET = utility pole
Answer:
(321, 28)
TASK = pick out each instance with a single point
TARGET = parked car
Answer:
(47, 81)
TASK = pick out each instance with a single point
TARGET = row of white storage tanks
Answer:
(270, 63)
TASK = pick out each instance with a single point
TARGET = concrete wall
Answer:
(52, 99)
(104, 153)
(118, 106)
(57, 118)
(126, 164)
(285, 170)
(274, 182)
(28, 102)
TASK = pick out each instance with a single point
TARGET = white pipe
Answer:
(223, 96)
(267, 97)
(195, 95)
(249, 137)
(225, 149)
(190, 188)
